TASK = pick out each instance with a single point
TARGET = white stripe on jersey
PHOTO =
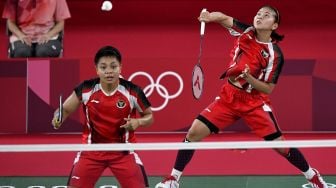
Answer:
(267, 108)
(137, 106)
(77, 157)
(271, 61)
(126, 136)
(137, 158)
(89, 141)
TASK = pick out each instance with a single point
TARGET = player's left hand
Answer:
(55, 121)
(245, 73)
(131, 124)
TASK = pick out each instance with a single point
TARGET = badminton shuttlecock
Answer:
(106, 6)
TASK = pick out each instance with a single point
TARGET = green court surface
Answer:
(186, 182)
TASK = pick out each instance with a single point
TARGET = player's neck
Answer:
(264, 36)
(109, 89)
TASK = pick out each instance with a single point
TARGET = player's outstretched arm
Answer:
(69, 106)
(217, 17)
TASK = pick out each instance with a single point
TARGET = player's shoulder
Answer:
(89, 83)
(86, 86)
(127, 83)
(238, 28)
(237, 24)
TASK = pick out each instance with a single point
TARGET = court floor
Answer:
(186, 182)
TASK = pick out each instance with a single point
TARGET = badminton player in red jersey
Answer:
(250, 77)
(109, 105)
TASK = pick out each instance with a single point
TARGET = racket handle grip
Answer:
(203, 23)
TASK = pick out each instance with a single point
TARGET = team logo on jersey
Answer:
(121, 104)
(264, 54)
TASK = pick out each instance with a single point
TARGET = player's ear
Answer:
(120, 67)
(275, 26)
(96, 67)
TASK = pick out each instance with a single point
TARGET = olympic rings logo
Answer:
(162, 90)
(330, 185)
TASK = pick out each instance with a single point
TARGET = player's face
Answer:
(265, 19)
(108, 69)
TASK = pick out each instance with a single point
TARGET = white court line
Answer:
(168, 146)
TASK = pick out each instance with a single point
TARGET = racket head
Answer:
(197, 81)
(60, 110)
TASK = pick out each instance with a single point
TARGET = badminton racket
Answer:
(197, 74)
(60, 111)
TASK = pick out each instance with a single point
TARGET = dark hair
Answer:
(107, 51)
(274, 35)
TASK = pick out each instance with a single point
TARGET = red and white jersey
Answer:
(264, 59)
(105, 113)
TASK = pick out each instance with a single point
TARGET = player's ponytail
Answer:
(275, 36)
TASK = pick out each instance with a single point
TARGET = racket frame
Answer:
(60, 110)
(198, 65)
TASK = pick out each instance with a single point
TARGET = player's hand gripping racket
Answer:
(59, 115)
(197, 74)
